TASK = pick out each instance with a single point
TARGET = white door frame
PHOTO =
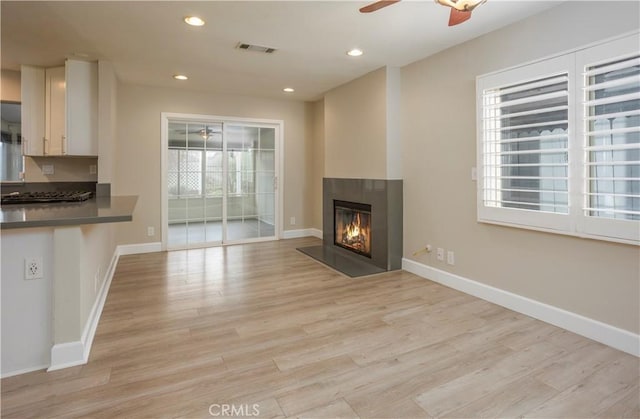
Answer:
(279, 164)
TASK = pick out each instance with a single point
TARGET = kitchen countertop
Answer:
(97, 210)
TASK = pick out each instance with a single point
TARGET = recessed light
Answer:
(180, 77)
(194, 21)
(289, 89)
(355, 52)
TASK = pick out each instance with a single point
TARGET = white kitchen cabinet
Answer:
(55, 112)
(62, 109)
(32, 88)
(81, 109)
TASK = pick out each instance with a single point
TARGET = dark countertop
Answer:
(97, 210)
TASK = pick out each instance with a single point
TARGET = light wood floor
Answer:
(263, 324)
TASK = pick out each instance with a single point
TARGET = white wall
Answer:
(315, 127)
(66, 169)
(355, 128)
(26, 304)
(36, 314)
(138, 148)
(596, 279)
(107, 121)
(10, 86)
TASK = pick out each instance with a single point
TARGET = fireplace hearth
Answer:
(362, 226)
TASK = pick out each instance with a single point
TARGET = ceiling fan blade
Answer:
(377, 6)
(458, 16)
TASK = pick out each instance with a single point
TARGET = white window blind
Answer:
(612, 110)
(526, 145)
(559, 143)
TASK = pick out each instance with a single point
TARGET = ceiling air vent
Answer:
(256, 48)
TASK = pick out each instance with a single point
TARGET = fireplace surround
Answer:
(379, 205)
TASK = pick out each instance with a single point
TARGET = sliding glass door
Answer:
(221, 181)
(250, 203)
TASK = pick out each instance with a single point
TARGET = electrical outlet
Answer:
(292, 221)
(93, 169)
(440, 254)
(47, 169)
(450, 258)
(151, 231)
(33, 268)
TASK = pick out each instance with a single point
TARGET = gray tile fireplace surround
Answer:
(385, 198)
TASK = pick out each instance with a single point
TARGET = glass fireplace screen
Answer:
(352, 226)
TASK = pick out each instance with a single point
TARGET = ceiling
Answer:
(148, 42)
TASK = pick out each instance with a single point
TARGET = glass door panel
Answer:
(241, 213)
(251, 181)
(192, 216)
(221, 183)
(213, 174)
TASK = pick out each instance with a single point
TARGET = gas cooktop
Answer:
(45, 197)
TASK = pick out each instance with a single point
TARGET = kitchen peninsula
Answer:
(49, 319)
(94, 211)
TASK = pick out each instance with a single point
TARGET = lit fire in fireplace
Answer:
(353, 229)
(352, 232)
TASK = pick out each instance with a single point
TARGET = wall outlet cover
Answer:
(47, 169)
(33, 268)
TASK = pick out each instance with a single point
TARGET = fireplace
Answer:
(352, 226)
(361, 226)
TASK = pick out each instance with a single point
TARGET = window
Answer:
(185, 173)
(195, 164)
(559, 144)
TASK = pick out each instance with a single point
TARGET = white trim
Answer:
(24, 371)
(593, 329)
(65, 355)
(96, 311)
(70, 354)
(316, 233)
(136, 249)
(306, 232)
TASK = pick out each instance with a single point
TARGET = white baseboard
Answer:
(306, 232)
(135, 249)
(316, 233)
(593, 329)
(65, 355)
(71, 354)
(96, 311)
(24, 371)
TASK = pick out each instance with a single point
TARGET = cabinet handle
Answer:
(64, 144)
(24, 146)
(44, 146)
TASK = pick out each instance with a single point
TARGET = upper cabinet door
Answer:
(32, 92)
(82, 108)
(60, 110)
(55, 130)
